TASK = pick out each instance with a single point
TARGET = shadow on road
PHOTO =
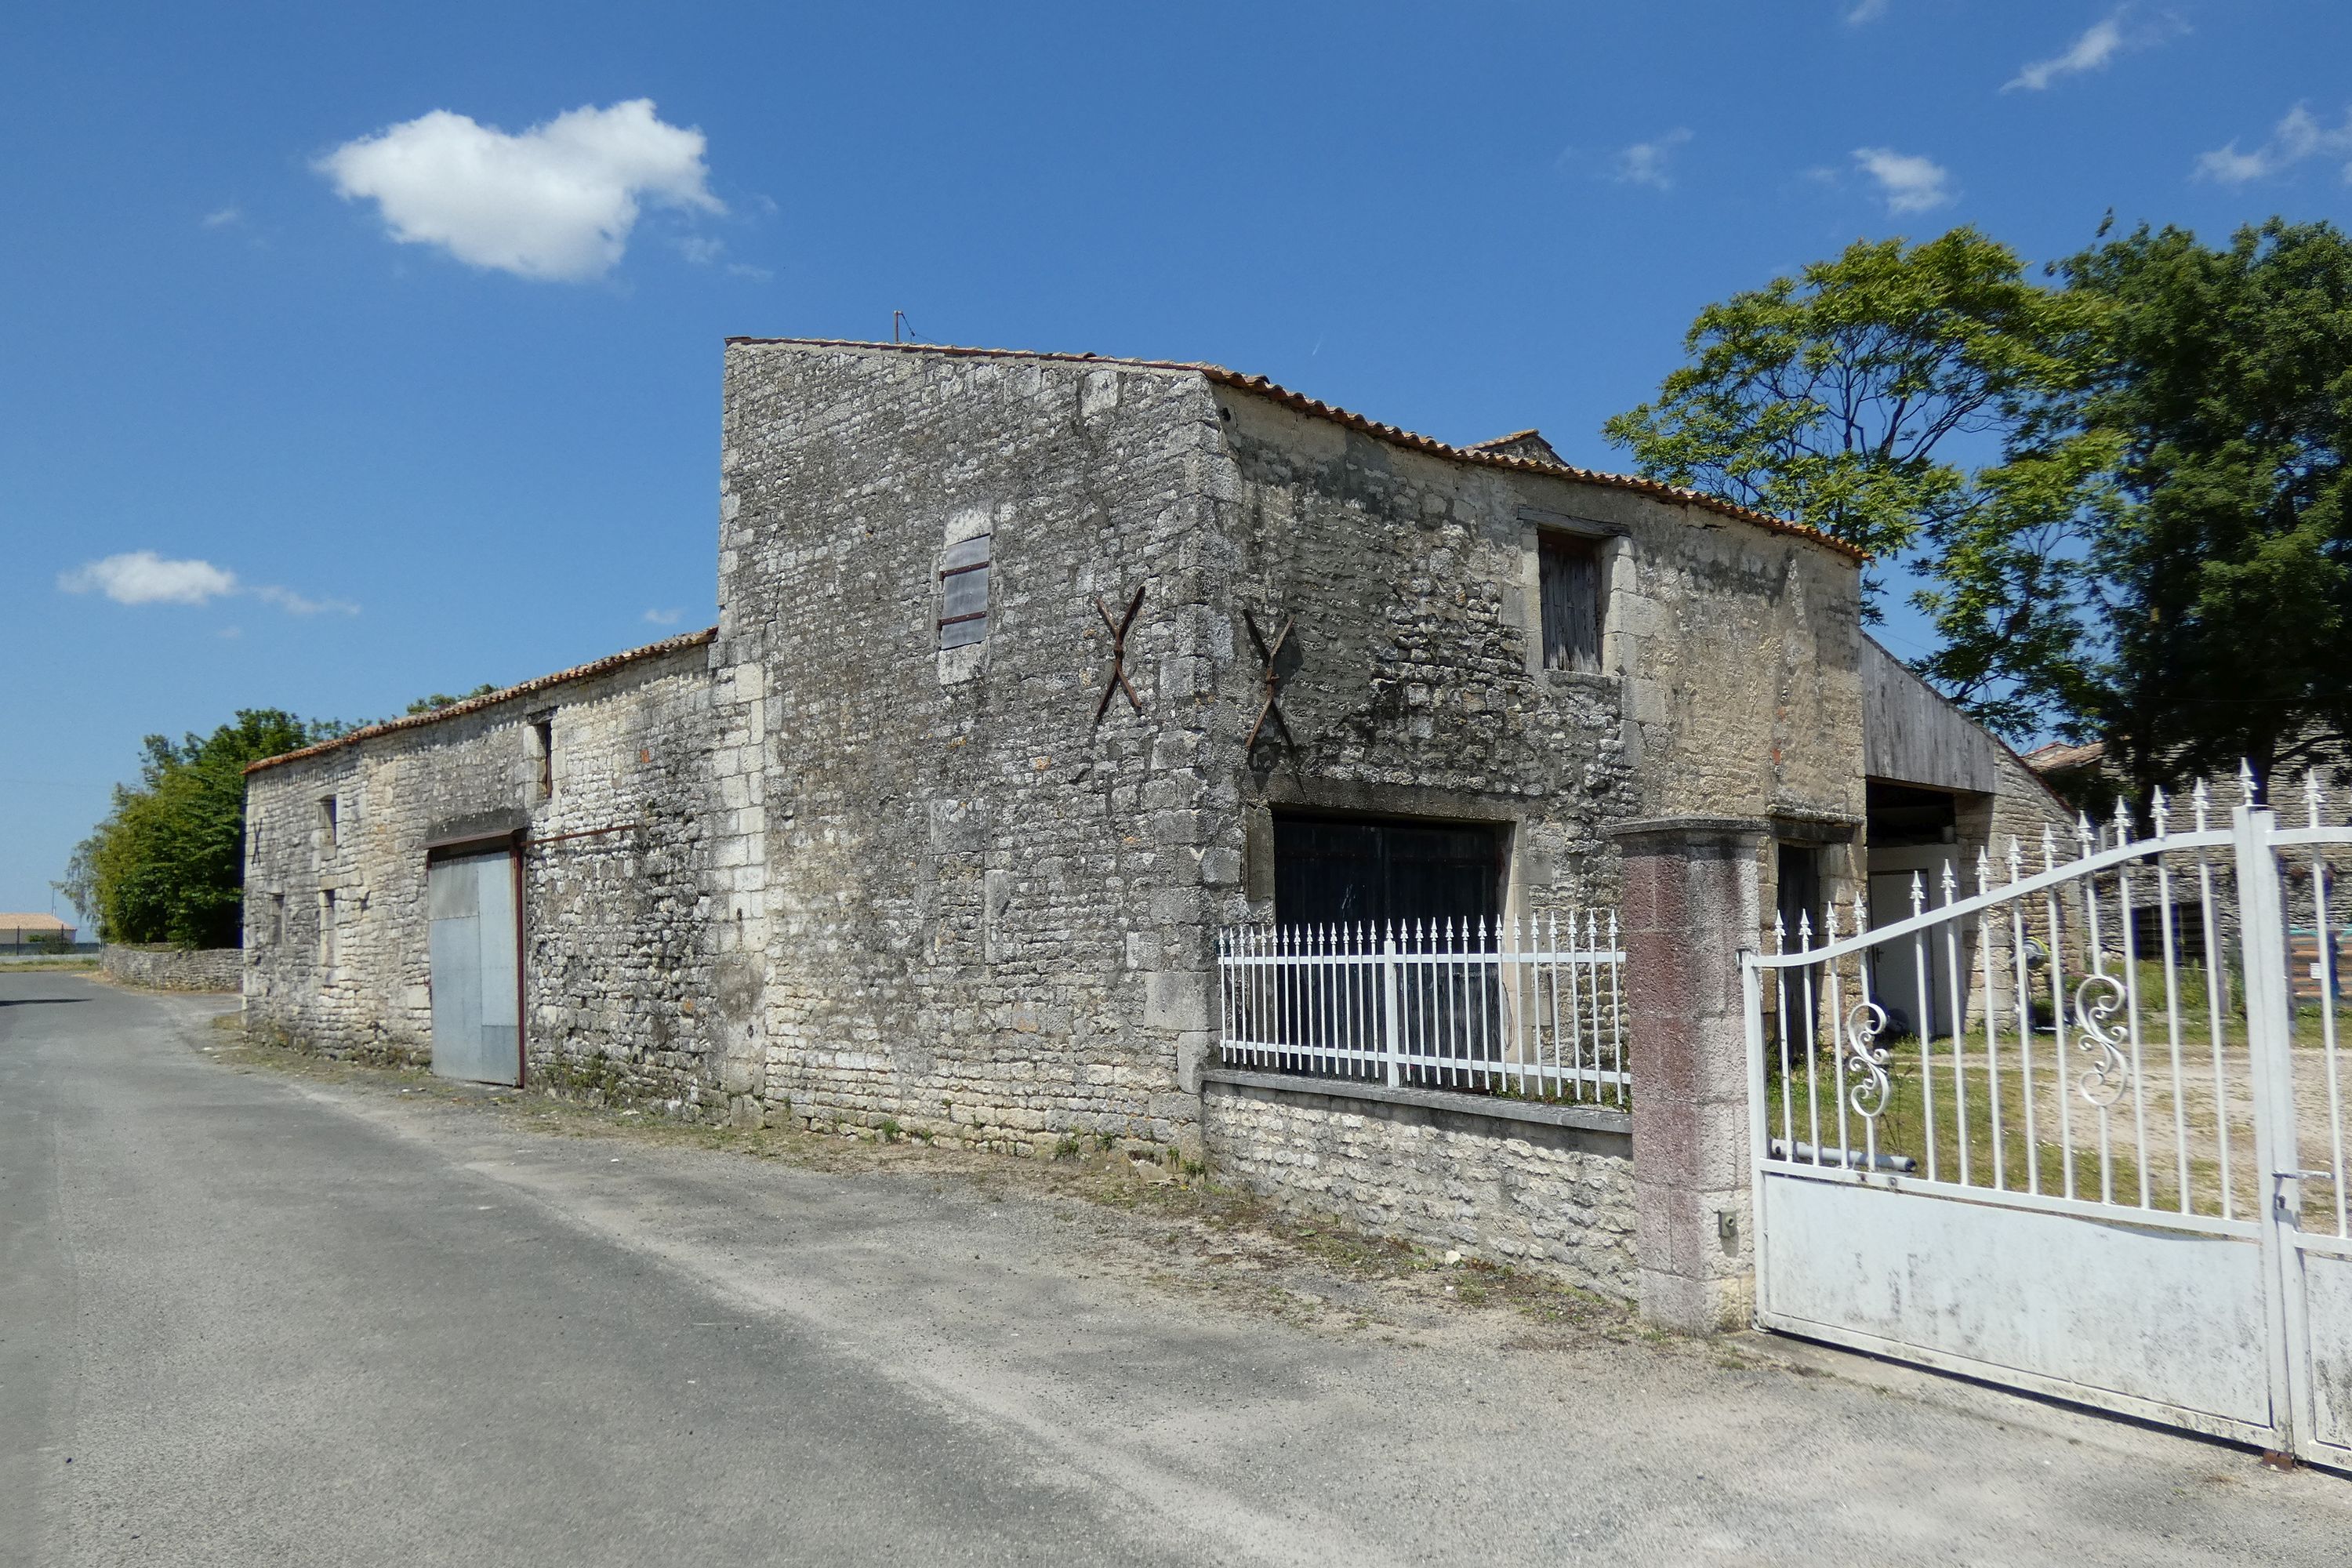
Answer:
(37, 1001)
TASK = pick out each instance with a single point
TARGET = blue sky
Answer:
(355, 353)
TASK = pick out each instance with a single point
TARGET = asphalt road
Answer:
(247, 1319)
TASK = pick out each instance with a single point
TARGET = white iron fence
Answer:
(1534, 1009)
(2082, 1129)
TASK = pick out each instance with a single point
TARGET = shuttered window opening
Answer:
(963, 593)
(1571, 602)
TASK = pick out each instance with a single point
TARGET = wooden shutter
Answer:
(1572, 603)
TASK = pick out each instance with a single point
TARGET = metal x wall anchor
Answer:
(1119, 629)
(1270, 653)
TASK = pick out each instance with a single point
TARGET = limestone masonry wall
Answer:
(1558, 1198)
(159, 968)
(974, 895)
(619, 995)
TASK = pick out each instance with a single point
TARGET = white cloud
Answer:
(1649, 162)
(744, 270)
(2100, 43)
(1910, 184)
(1865, 11)
(224, 218)
(295, 603)
(556, 203)
(143, 577)
(2294, 139)
(663, 618)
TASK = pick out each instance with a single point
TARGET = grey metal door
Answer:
(476, 997)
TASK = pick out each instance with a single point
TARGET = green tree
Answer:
(168, 862)
(441, 699)
(1848, 398)
(2224, 570)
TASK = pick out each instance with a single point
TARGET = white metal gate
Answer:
(2105, 1161)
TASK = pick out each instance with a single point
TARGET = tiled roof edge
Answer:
(492, 699)
(1301, 402)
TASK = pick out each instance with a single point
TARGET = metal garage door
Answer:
(476, 957)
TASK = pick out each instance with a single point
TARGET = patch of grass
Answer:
(27, 965)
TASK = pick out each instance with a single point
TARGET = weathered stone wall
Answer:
(1555, 1197)
(1409, 683)
(989, 915)
(164, 968)
(1730, 680)
(973, 894)
(619, 991)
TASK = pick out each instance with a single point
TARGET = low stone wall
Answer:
(1541, 1186)
(164, 968)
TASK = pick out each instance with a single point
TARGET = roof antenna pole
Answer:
(898, 323)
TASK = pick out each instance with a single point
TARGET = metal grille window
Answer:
(1571, 602)
(963, 593)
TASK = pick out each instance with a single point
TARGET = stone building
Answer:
(1032, 672)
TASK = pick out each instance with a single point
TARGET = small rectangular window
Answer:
(1571, 602)
(327, 821)
(327, 928)
(963, 593)
(273, 929)
(543, 747)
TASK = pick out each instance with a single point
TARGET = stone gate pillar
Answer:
(1692, 904)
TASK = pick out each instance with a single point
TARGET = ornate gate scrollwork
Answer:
(2104, 1084)
(1866, 1059)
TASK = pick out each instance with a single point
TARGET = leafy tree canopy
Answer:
(441, 699)
(168, 862)
(2223, 575)
(2153, 545)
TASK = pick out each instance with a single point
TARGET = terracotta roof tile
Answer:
(1393, 434)
(492, 699)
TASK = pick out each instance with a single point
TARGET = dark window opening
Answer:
(327, 820)
(2188, 932)
(1798, 901)
(1358, 885)
(963, 593)
(1332, 870)
(327, 928)
(542, 740)
(1571, 602)
(1906, 817)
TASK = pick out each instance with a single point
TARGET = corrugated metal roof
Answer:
(1396, 435)
(491, 700)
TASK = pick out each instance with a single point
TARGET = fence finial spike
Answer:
(1918, 894)
(2246, 781)
(2158, 811)
(1984, 870)
(2083, 834)
(1951, 882)
(2049, 848)
(2016, 860)
(1804, 931)
(1860, 909)
(2202, 800)
(1828, 920)
(2123, 822)
(1780, 931)
(2311, 793)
